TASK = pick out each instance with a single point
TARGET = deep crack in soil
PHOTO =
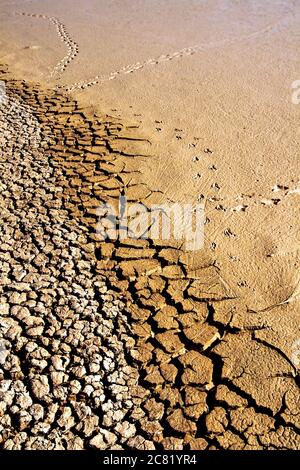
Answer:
(114, 344)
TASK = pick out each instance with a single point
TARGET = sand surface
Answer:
(208, 85)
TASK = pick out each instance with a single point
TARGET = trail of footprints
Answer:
(237, 205)
(131, 68)
(186, 394)
(245, 200)
(185, 52)
(71, 45)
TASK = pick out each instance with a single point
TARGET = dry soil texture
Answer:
(118, 344)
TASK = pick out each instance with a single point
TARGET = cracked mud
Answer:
(116, 344)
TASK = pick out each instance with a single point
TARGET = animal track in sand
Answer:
(214, 201)
(64, 36)
(163, 58)
(239, 203)
(271, 201)
(248, 200)
(131, 68)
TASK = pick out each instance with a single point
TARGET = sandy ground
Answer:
(209, 86)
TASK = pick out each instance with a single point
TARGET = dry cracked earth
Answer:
(115, 344)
